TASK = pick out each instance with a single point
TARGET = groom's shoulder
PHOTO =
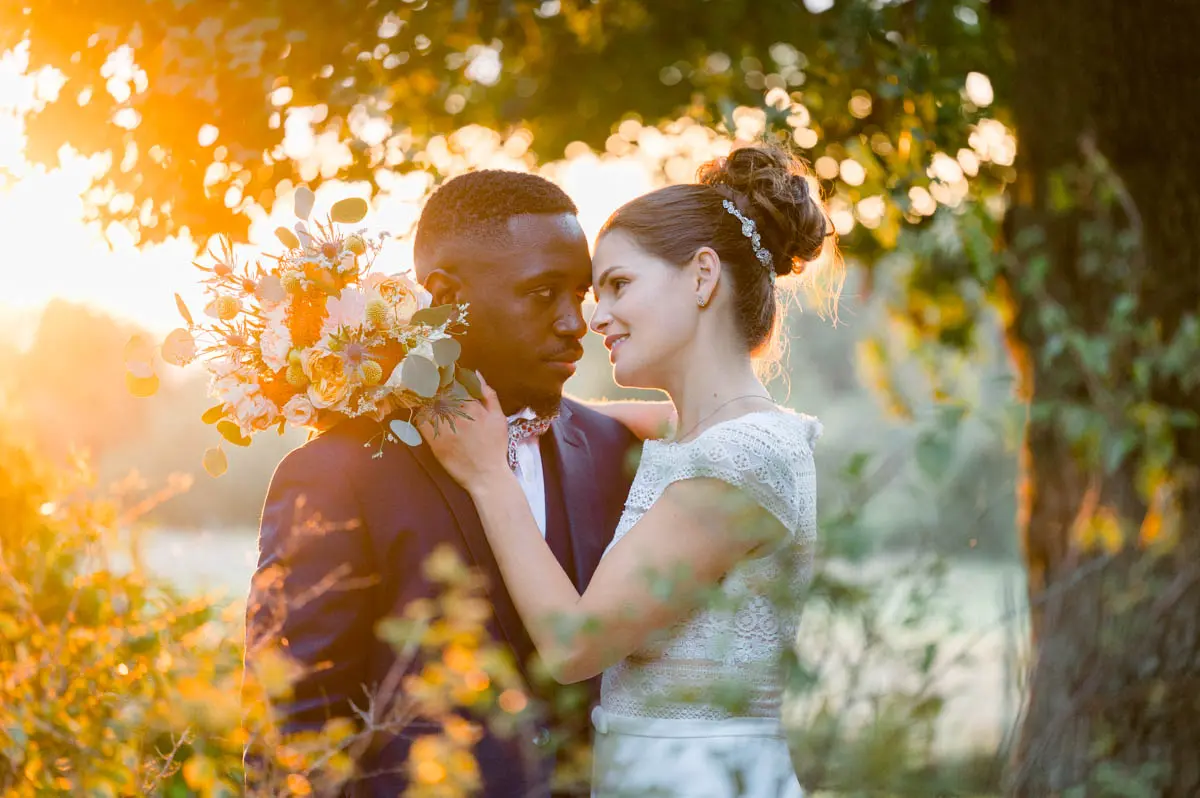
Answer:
(344, 449)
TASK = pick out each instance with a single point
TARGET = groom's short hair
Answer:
(477, 206)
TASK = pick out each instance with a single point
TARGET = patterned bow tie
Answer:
(523, 429)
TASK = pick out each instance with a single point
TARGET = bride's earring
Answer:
(700, 301)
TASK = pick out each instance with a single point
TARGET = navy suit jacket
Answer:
(386, 516)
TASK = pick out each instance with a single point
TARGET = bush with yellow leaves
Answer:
(114, 683)
(111, 682)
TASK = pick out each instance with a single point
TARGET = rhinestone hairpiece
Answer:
(750, 231)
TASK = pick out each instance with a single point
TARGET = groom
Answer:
(510, 245)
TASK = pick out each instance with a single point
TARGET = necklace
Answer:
(713, 412)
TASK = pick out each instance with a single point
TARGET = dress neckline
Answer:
(777, 411)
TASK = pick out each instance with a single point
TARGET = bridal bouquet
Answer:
(316, 337)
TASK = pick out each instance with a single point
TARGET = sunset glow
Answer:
(105, 268)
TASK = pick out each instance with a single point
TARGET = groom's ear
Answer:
(445, 287)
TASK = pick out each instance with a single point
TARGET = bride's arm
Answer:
(644, 419)
(655, 576)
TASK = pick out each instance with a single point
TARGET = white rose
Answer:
(276, 339)
(299, 411)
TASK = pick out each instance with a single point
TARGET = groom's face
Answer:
(525, 320)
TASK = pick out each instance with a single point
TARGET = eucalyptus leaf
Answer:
(420, 376)
(230, 432)
(270, 289)
(446, 351)
(302, 232)
(215, 461)
(213, 414)
(141, 387)
(405, 431)
(435, 316)
(933, 455)
(139, 347)
(470, 380)
(183, 310)
(287, 238)
(179, 348)
(304, 202)
(140, 369)
(349, 210)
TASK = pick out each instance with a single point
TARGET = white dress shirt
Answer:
(529, 472)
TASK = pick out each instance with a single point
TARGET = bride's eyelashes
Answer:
(612, 286)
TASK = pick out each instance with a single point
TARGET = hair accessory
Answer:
(750, 231)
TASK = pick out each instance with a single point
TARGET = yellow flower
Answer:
(399, 292)
(378, 313)
(224, 308)
(326, 372)
(372, 373)
(295, 375)
(355, 244)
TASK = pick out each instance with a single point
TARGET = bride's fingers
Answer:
(490, 400)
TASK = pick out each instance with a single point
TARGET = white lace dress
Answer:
(664, 725)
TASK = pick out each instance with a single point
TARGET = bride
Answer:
(685, 283)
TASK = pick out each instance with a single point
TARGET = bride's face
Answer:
(645, 309)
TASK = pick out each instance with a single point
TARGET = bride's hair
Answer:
(766, 184)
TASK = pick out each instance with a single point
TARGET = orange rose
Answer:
(399, 292)
(329, 383)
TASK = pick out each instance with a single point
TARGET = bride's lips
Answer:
(613, 343)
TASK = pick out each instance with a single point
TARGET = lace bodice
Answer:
(732, 647)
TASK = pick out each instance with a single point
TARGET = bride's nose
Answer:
(601, 318)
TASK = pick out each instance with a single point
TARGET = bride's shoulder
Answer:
(779, 428)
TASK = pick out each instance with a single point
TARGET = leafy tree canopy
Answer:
(188, 101)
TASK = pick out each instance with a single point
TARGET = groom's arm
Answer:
(311, 593)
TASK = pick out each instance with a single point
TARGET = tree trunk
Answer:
(1114, 695)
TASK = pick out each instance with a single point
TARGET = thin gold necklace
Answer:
(713, 412)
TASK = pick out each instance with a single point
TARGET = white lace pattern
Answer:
(728, 653)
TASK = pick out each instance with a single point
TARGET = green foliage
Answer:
(880, 83)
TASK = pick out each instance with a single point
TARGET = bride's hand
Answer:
(476, 449)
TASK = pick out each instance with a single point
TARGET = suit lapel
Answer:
(463, 509)
(579, 496)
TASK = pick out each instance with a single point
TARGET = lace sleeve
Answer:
(767, 455)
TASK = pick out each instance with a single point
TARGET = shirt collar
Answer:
(527, 414)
